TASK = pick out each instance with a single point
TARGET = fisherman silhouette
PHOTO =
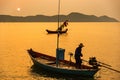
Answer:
(63, 25)
(78, 55)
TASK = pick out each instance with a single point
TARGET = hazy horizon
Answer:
(47, 7)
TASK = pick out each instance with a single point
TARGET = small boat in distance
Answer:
(55, 32)
(65, 68)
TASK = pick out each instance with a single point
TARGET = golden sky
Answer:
(110, 8)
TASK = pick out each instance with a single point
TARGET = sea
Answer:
(101, 40)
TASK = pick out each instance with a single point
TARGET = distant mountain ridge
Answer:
(72, 17)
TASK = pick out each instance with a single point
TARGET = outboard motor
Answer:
(93, 62)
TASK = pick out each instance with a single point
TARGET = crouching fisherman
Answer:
(63, 25)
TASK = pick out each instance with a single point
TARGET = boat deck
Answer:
(61, 64)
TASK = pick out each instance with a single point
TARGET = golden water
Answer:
(101, 40)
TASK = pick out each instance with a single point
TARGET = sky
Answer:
(110, 8)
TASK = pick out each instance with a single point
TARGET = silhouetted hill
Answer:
(72, 17)
(78, 17)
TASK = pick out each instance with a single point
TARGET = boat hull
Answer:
(54, 32)
(64, 71)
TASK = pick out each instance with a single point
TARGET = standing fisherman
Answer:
(78, 55)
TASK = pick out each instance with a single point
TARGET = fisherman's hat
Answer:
(81, 45)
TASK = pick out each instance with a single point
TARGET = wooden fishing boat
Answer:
(65, 67)
(54, 32)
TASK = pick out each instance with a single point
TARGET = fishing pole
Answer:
(104, 63)
(110, 68)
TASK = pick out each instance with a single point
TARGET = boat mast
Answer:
(58, 23)
(57, 50)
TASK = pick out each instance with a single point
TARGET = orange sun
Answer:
(18, 9)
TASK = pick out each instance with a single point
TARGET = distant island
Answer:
(72, 17)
